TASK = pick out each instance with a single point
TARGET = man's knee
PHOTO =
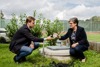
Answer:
(36, 45)
(29, 51)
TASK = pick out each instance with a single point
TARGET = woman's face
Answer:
(72, 24)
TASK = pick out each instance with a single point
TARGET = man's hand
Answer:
(74, 45)
(49, 38)
(32, 45)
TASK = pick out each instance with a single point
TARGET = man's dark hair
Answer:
(29, 19)
(74, 20)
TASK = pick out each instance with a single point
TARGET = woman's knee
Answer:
(72, 51)
(77, 48)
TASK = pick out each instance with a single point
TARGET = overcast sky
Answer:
(63, 9)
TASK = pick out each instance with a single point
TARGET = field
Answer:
(6, 59)
(35, 59)
(95, 37)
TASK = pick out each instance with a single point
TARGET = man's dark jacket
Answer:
(81, 36)
(21, 37)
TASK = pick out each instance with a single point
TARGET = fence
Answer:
(94, 46)
(4, 22)
(88, 25)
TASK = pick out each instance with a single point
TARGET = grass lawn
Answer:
(6, 59)
(94, 37)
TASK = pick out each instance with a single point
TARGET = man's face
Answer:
(72, 24)
(32, 23)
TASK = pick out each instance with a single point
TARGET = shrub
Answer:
(12, 27)
(53, 27)
(2, 40)
(15, 24)
(50, 27)
(38, 28)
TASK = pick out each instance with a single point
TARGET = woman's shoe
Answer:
(83, 60)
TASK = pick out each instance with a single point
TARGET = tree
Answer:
(94, 19)
(49, 26)
(1, 15)
(22, 19)
(38, 28)
(53, 27)
(12, 27)
(2, 21)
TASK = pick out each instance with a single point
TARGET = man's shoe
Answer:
(16, 61)
(23, 59)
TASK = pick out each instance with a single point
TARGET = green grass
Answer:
(6, 59)
(94, 37)
(93, 59)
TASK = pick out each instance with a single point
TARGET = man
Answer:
(23, 42)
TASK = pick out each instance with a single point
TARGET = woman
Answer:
(78, 39)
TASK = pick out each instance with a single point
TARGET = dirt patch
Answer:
(93, 32)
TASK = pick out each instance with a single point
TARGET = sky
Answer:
(52, 9)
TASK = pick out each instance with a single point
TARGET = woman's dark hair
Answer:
(29, 19)
(74, 20)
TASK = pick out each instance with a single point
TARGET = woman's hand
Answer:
(55, 35)
(74, 45)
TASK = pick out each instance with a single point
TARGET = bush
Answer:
(2, 40)
(50, 27)
(15, 24)
(38, 28)
(12, 27)
(53, 27)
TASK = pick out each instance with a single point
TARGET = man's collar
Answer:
(25, 26)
